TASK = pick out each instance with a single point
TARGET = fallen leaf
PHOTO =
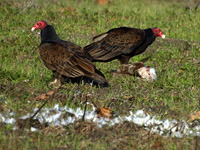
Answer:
(43, 96)
(102, 2)
(195, 116)
(70, 9)
(51, 92)
(103, 112)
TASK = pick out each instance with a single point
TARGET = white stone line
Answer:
(54, 117)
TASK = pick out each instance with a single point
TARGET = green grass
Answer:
(23, 75)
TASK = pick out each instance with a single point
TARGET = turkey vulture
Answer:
(121, 43)
(66, 59)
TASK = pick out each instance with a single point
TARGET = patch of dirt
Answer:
(125, 135)
(117, 136)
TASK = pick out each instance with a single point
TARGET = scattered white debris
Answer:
(26, 80)
(8, 118)
(33, 129)
(62, 116)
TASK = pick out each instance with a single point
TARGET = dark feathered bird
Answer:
(121, 43)
(66, 59)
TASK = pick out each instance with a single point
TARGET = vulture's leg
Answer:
(124, 59)
(57, 77)
(54, 82)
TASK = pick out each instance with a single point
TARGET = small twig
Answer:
(148, 135)
(39, 109)
(112, 100)
(197, 6)
(196, 141)
(83, 118)
(170, 129)
(44, 104)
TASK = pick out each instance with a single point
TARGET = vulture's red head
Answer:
(158, 33)
(40, 25)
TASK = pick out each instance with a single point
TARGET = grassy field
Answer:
(175, 95)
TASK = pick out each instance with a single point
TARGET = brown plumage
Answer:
(121, 43)
(66, 60)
